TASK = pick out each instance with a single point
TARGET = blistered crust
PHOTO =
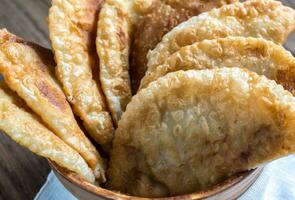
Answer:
(256, 54)
(26, 73)
(72, 30)
(192, 129)
(26, 129)
(116, 26)
(162, 17)
(254, 18)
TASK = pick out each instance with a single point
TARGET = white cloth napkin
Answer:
(276, 182)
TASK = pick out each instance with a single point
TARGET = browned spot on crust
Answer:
(5, 36)
(122, 36)
(287, 79)
(51, 94)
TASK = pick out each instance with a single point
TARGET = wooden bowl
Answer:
(230, 189)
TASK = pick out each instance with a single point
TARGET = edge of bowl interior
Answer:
(231, 188)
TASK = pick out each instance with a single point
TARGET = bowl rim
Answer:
(109, 194)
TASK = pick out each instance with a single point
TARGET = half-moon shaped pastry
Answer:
(115, 30)
(72, 31)
(192, 129)
(25, 129)
(161, 18)
(25, 68)
(256, 54)
(266, 19)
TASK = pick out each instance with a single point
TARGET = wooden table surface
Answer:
(22, 173)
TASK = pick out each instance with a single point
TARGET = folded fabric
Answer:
(276, 182)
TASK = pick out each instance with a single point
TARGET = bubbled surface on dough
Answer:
(72, 31)
(25, 129)
(161, 18)
(256, 54)
(254, 18)
(116, 26)
(26, 71)
(192, 129)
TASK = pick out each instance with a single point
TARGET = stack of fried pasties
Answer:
(213, 91)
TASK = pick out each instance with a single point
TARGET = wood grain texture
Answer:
(26, 18)
(22, 173)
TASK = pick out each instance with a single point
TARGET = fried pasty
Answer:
(192, 129)
(72, 31)
(116, 26)
(256, 54)
(266, 19)
(162, 17)
(24, 67)
(25, 129)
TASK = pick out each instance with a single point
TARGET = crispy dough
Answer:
(116, 26)
(72, 30)
(254, 18)
(26, 129)
(162, 17)
(192, 129)
(256, 54)
(26, 73)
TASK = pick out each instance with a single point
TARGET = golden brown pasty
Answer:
(72, 31)
(191, 129)
(266, 19)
